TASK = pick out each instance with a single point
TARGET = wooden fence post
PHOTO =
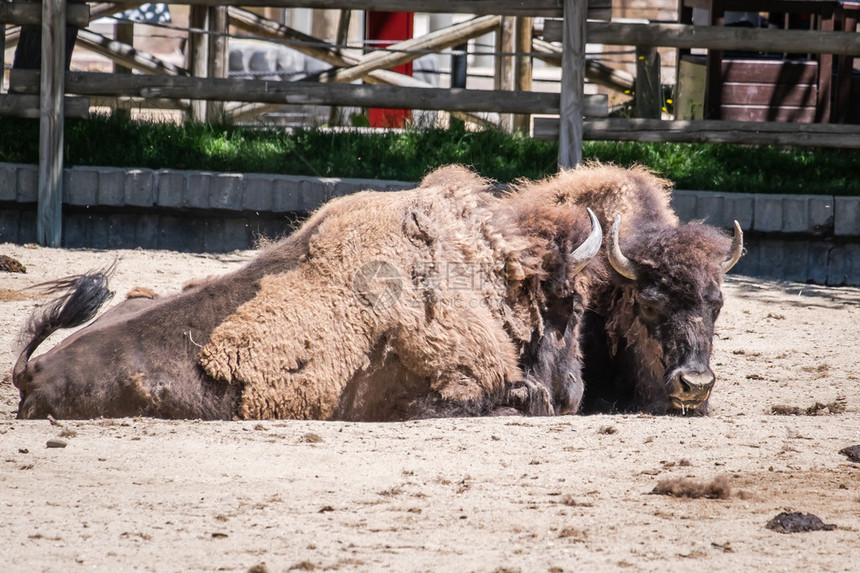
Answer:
(2, 54)
(649, 97)
(505, 65)
(572, 84)
(523, 68)
(217, 60)
(197, 55)
(341, 38)
(123, 32)
(50, 200)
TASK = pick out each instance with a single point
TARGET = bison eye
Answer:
(647, 307)
(715, 310)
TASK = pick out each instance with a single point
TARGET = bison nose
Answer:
(689, 390)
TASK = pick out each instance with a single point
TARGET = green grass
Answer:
(410, 154)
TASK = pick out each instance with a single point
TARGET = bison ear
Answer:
(141, 292)
(737, 249)
(588, 249)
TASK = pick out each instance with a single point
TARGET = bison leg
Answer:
(464, 353)
(530, 397)
(293, 348)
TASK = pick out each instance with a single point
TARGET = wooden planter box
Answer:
(752, 89)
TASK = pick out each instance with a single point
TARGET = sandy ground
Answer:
(503, 494)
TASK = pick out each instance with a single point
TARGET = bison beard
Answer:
(318, 326)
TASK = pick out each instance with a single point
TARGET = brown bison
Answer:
(652, 295)
(442, 300)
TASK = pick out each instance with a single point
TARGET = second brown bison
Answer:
(444, 300)
(652, 296)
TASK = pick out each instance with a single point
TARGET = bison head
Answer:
(668, 301)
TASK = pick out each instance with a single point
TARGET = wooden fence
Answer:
(201, 86)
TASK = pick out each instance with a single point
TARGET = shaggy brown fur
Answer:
(358, 357)
(552, 358)
(382, 306)
(641, 337)
(140, 357)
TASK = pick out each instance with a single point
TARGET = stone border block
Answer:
(225, 191)
(111, 187)
(844, 268)
(214, 235)
(819, 257)
(821, 213)
(171, 188)
(258, 192)
(98, 232)
(767, 216)
(738, 207)
(316, 192)
(684, 204)
(717, 209)
(9, 223)
(140, 187)
(121, 233)
(285, 195)
(809, 214)
(75, 231)
(846, 217)
(710, 207)
(80, 185)
(146, 231)
(8, 182)
(237, 234)
(197, 189)
(341, 187)
(28, 184)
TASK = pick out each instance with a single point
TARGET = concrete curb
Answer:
(795, 237)
(173, 188)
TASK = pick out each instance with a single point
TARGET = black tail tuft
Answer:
(83, 295)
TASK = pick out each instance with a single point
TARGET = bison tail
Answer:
(83, 295)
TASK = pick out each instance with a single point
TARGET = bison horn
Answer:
(619, 262)
(737, 249)
(590, 247)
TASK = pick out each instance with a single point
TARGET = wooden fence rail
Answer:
(830, 135)
(306, 93)
(30, 14)
(714, 38)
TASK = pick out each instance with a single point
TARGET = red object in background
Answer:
(384, 29)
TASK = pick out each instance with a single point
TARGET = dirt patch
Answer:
(11, 295)
(10, 265)
(717, 488)
(852, 453)
(797, 522)
(480, 494)
(817, 409)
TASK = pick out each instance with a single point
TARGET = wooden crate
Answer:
(769, 90)
(753, 89)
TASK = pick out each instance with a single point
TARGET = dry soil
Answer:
(486, 494)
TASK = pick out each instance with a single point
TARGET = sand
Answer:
(484, 494)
